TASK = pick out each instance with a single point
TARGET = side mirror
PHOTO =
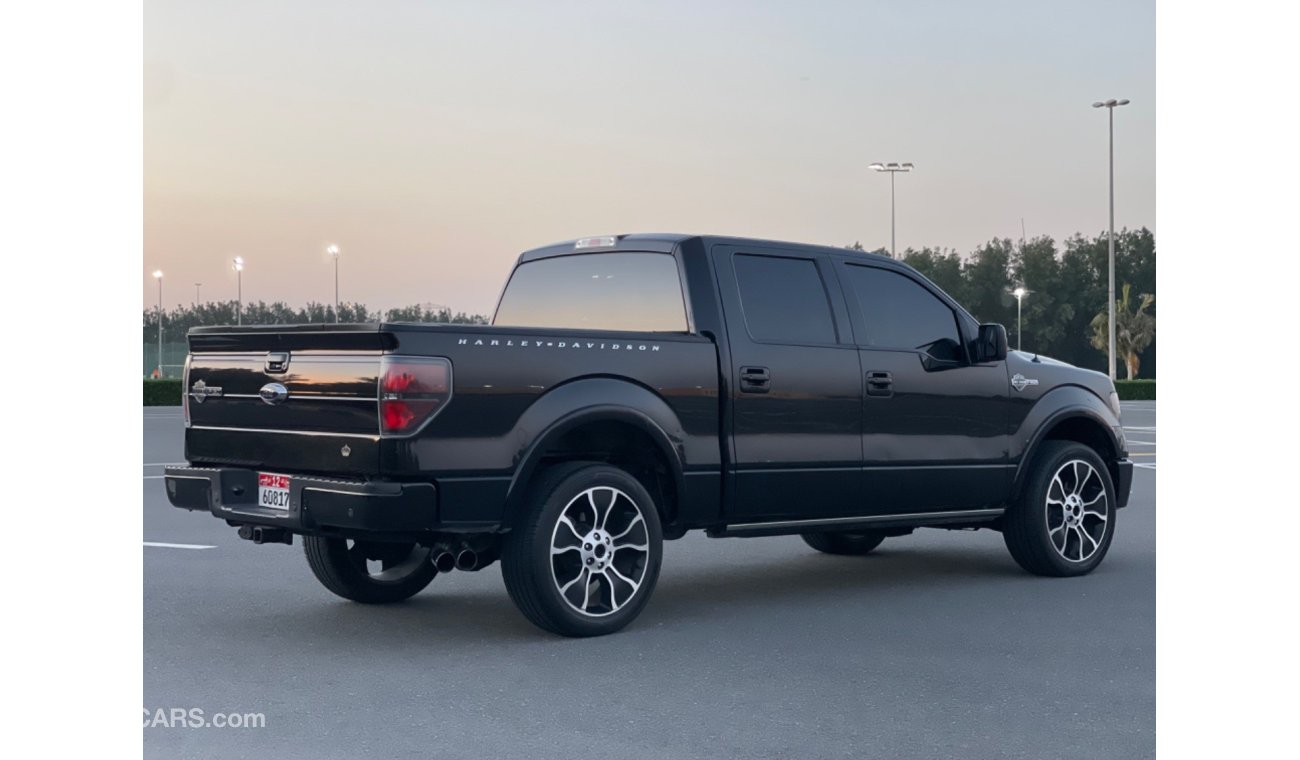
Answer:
(991, 345)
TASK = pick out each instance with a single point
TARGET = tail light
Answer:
(185, 391)
(411, 391)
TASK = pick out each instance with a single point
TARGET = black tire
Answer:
(1086, 524)
(342, 569)
(846, 544)
(534, 575)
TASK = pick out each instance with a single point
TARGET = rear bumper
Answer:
(1125, 481)
(316, 505)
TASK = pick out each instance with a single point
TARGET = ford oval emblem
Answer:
(274, 393)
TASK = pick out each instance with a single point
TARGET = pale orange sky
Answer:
(433, 141)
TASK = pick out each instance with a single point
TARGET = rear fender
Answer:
(580, 402)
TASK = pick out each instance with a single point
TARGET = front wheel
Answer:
(370, 572)
(584, 557)
(1064, 519)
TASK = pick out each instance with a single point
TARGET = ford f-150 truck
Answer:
(632, 388)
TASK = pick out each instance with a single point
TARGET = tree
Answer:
(1134, 329)
(942, 267)
(987, 275)
(178, 321)
(857, 246)
(1047, 308)
(1083, 274)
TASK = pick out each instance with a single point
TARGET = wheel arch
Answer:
(1084, 419)
(602, 420)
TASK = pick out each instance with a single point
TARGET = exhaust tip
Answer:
(445, 562)
(467, 559)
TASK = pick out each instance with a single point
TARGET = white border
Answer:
(71, 198)
(1227, 205)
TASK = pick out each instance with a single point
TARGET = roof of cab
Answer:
(665, 242)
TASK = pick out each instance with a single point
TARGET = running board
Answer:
(912, 520)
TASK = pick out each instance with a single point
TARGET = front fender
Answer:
(1053, 407)
(593, 399)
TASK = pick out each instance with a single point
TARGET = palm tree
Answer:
(1134, 329)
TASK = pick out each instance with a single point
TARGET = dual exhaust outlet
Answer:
(463, 557)
(445, 557)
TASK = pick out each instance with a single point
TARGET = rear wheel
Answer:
(584, 557)
(370, 572)
(847, 544)
(1064, 519)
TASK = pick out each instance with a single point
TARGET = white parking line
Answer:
(1150, 429)
(1145, 465)
(154, 477)
(178, 546)
(164, 464)
(1142, 443)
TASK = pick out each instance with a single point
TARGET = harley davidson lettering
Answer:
(594, 345)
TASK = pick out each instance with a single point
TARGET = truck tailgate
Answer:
(298, 398)
(326, 393)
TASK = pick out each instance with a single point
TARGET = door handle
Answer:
(880, 384)
(755, 380)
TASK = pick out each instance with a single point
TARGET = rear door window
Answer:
(784, 300)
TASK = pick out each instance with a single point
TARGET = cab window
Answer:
(899, 313)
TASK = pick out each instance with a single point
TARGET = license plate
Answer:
(273, 490)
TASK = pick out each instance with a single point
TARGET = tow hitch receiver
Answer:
(260, 535)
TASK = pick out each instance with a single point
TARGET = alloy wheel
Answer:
(599, 551)
(1077, 511)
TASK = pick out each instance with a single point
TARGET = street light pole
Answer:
(1019, 293)
(1110, 106)
(333, 251)
(197, 299)
(892, 168)
(158, 275)
(239, 280)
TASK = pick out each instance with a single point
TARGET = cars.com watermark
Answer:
(195, 717)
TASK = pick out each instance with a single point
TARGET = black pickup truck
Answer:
(632, 388)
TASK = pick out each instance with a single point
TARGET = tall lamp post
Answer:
(1019, 293)
(158, 275)
(1110, 106)
(893, 169)
(333, 251)
(238, 264)
(197, 299)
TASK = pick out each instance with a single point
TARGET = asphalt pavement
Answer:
(936, 645)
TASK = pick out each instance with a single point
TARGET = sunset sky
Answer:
(433, 141)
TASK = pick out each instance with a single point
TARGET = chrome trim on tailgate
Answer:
(366, 436)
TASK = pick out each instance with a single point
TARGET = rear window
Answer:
(596, 291)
